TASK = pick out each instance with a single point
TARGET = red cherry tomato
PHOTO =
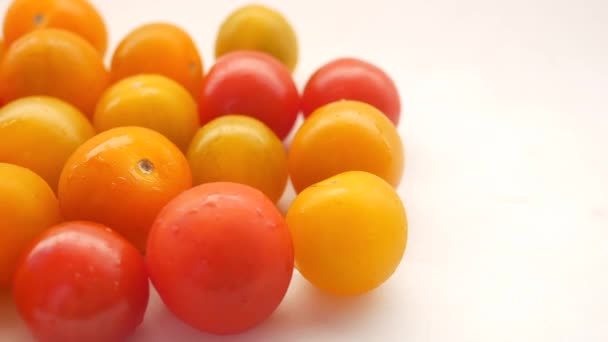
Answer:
(251, 83)
(221, 257)
(80, 281)
(352, 79)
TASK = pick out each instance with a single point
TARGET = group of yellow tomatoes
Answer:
(154, 169)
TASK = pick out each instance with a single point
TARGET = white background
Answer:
(505, 122)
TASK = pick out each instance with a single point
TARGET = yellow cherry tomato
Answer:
(345, 136)
(150, 101)
(40, 133)
(28, 206)
(256, 27)
(240, 149)
(349, 232)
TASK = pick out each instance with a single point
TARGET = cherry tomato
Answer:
(345, 136)
(76, 16)
(28, 206)
(251, 83)
(352, 79)
(221, 257)
(349, 232)
(40, 133)
(55, 63)
(81, 281)
(260, 28)
(240, 149)
(159, 48)
(122, 178)
(151, 101)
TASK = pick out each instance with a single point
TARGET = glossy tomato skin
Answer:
(55, 63)
(349, 232)
(122, 178)
(221, 257)
(40, 133)
(251, 83)
(352, 79)
(80, 281)
(159, 48)
(345, 136)
(240, 149)
(28, 207)
(77, 16)
(260, 28)
(149, 100)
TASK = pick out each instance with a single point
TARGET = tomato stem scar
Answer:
(146, 166)
(38, 19)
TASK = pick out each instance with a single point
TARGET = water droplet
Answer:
(175, 230)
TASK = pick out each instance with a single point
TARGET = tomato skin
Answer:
(345, 136)
(260, 28)
(28, 207)
(349, 232)
(77, 16)
(221, 257)
(251, 83)
(159, 48)
(149, 100)
(40, 133)
(122, 178)
(352, 79)
(80, 281)
(54, 63)
(240, 149)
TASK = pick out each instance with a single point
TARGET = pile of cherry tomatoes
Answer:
(152, 169)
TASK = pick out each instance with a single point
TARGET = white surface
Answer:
(505, 123)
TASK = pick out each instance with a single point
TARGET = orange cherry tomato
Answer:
(151, 101)
(81, 281)
(76, 16)
(41, 133)
(240, 149)
(122, 178)
(55, 63)
(221, 257)
(28, 206)
(345, 136)
(2, 51)
(159, 48)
